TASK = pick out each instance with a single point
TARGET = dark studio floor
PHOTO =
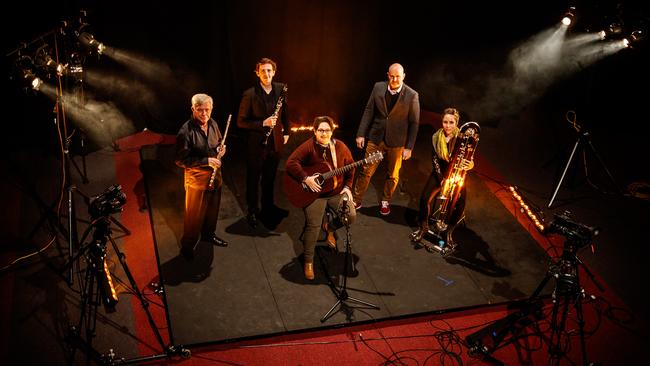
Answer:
(255, 286)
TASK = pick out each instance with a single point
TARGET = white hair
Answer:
(198, 99)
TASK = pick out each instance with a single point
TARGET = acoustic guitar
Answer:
(299, 194)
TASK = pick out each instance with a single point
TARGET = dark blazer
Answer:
(397, 127)
(252, 112)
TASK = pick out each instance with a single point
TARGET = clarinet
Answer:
(223, 140)
(278, 105)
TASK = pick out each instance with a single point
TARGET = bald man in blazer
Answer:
(389, 124)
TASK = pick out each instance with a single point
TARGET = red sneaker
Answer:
(385, 208)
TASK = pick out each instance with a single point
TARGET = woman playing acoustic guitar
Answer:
(321, 154)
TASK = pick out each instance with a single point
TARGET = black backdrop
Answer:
(329, 53)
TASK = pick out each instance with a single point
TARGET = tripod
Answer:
(342, 293)
(97, 288)
(567, 291)
(584, 140)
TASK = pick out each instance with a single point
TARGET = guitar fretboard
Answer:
(343, 169)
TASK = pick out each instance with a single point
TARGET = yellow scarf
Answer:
(440, 143)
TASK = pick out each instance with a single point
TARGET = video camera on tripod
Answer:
(100, 208)
(574, 232)
(108, 202)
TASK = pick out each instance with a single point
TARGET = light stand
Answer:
(584, 140)
(342, 293)
(62, 129)
(66, 138)
(51, 64)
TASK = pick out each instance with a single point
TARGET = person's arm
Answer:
(413, 121)
(246, 118)
(413, 125)
(295, 162)
(435, 156)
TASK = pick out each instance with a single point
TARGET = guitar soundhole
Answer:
(320, 180)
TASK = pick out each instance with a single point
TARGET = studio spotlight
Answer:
(88, 41)
(634, 38)
(613, 30)
(43, 60)
(32, 80)
(569, 16)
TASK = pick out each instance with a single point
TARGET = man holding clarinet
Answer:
(263, 114)
(199, 149)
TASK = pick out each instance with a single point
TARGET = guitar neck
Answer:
(343, 169)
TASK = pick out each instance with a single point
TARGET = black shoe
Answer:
(252, 220)
(215, 240)
(187, 253)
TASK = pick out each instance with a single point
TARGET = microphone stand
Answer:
(583, 141)
(342, 293)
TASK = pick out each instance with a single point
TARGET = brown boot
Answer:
(309, 270)
(331, 238)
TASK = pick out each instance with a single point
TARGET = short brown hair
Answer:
(320, 119)
(264, 61)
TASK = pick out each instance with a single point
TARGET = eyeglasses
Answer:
(320, 130)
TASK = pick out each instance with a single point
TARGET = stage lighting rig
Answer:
(569, 16)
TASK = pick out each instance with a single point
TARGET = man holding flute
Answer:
(199, 149)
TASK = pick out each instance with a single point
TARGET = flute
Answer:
(219, 149)
(275, 114)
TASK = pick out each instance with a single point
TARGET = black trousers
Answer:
(261, 168)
